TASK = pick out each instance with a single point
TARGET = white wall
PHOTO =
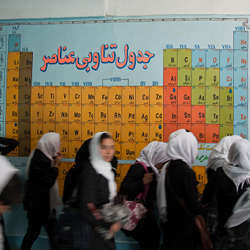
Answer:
(10, 9)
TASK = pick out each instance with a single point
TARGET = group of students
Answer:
(177, 217)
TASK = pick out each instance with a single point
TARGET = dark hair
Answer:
(105, 136)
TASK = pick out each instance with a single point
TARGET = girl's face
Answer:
(107, 149)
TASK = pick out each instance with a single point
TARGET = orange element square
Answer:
(184, 95)
(170, 95)
(170, 77)
(186, 126)
(199, 114)
(167, 130)
(184, 114)
(170, 114)
(212, 133)
(199, 131)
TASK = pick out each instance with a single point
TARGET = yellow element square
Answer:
(36, 130)
(11, 129)
(227, 115)
(99, 127)
(36, 112)
(128, 113)
(25, 78)
(121, 173)
(156, 95)
(37, 95)
(101, 113)
(88, 113)
(115, 95)
(184, 58)
(142, 133)
(12, 78)
(49, 113)
(198, 95)
(13, 60)
(185, 77)
(142, 95)
(128, 151)
(88, 95)
(12, 95)
(49, 127)
(75, 95)
(74, 147)
(101, 95)
(198, 77)
(212, 114)
(11, 112)
(24, 95)
(24, 132)
(114, 113)
(26, 60)
(128, 133)
(142, 113)
(226, 130)
(75, 131)
(213, 77)
(170, 58)
(115, 130)
(24, 112)
(75, 112)
(226, 96)
(128, 95)
(139, 147)
(156, 113)
(65, 148)
(62, 95)
(156, 132)
(62, 128)
(50, 95)
(212, 95)
(118, 150)
(62, 112)
(88, 130)
(201, 177)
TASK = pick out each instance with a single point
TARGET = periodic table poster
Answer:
(138, 78)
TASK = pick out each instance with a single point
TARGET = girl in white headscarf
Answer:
(216, 160)
(233, 198)
(142, 176)
(183, 209)
(41, 194)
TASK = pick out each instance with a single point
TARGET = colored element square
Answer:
(213, 58)
(142, 133)
(198, 76)
(11, 95)
(88, 113)
(156, 132)
(212, 114)
(75, 95)
(241, 130)
(226, 96)
(170, 95)
(115, 95)
(63, 129)
(128, 95)
(226, 77)
(101, 113)
(62, 95)
(170, 114)
(88, 95)
(170, 77)
(168, 128)
(212, 133)
(199, 131)
(226, 115)
(240, 59)
(14, 42)
(128, 151)
(170, 58)
(49, 95)
(156, 114)
(36, 112)
(128, 133)
(241, 40)
(37, 95)
(198, 58)
(62, 112)
(198, 95)
(142, 114)
(240, 77)
(115, 130)
(212, 95)
(88, 130)
(75, 113)
(240, 115)
(75, 131)
(184, 77)
(101, 95)
(49, 127)
(65, 148)
(13, 60)
(142, 95)
(184, 58)
(184, 114)
(12, 78)
(103, 126)
(49, 113)
(114, 113)
(199, 114)
(156, 95)
(226, 58)
(240, 96)
(213, 77)
(226, 130)
(128, 113)
(184, 95)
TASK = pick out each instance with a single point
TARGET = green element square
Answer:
(170, 58)
(184, 58)
(212, 77)
(226, 130)
(198, 76)
(184, 77)
(212, 95)
(226, 96)
(198, 96)
(227, 115)
(212, 114)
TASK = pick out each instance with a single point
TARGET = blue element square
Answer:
(240, 40)
(3, 42)
(240, 59)
(240, 115)
(212, 58)
(226, 77)
(240, 96)
(240, 77)
(241, 130)
(198, 58)
(14, 43)
(226, 58)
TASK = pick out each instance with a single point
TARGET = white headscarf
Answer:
(182, 146)
(238, 169)
(239, 173)
(154, 153)
(219, 154)
(176, 132)
(49, 144)
(102, 167)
